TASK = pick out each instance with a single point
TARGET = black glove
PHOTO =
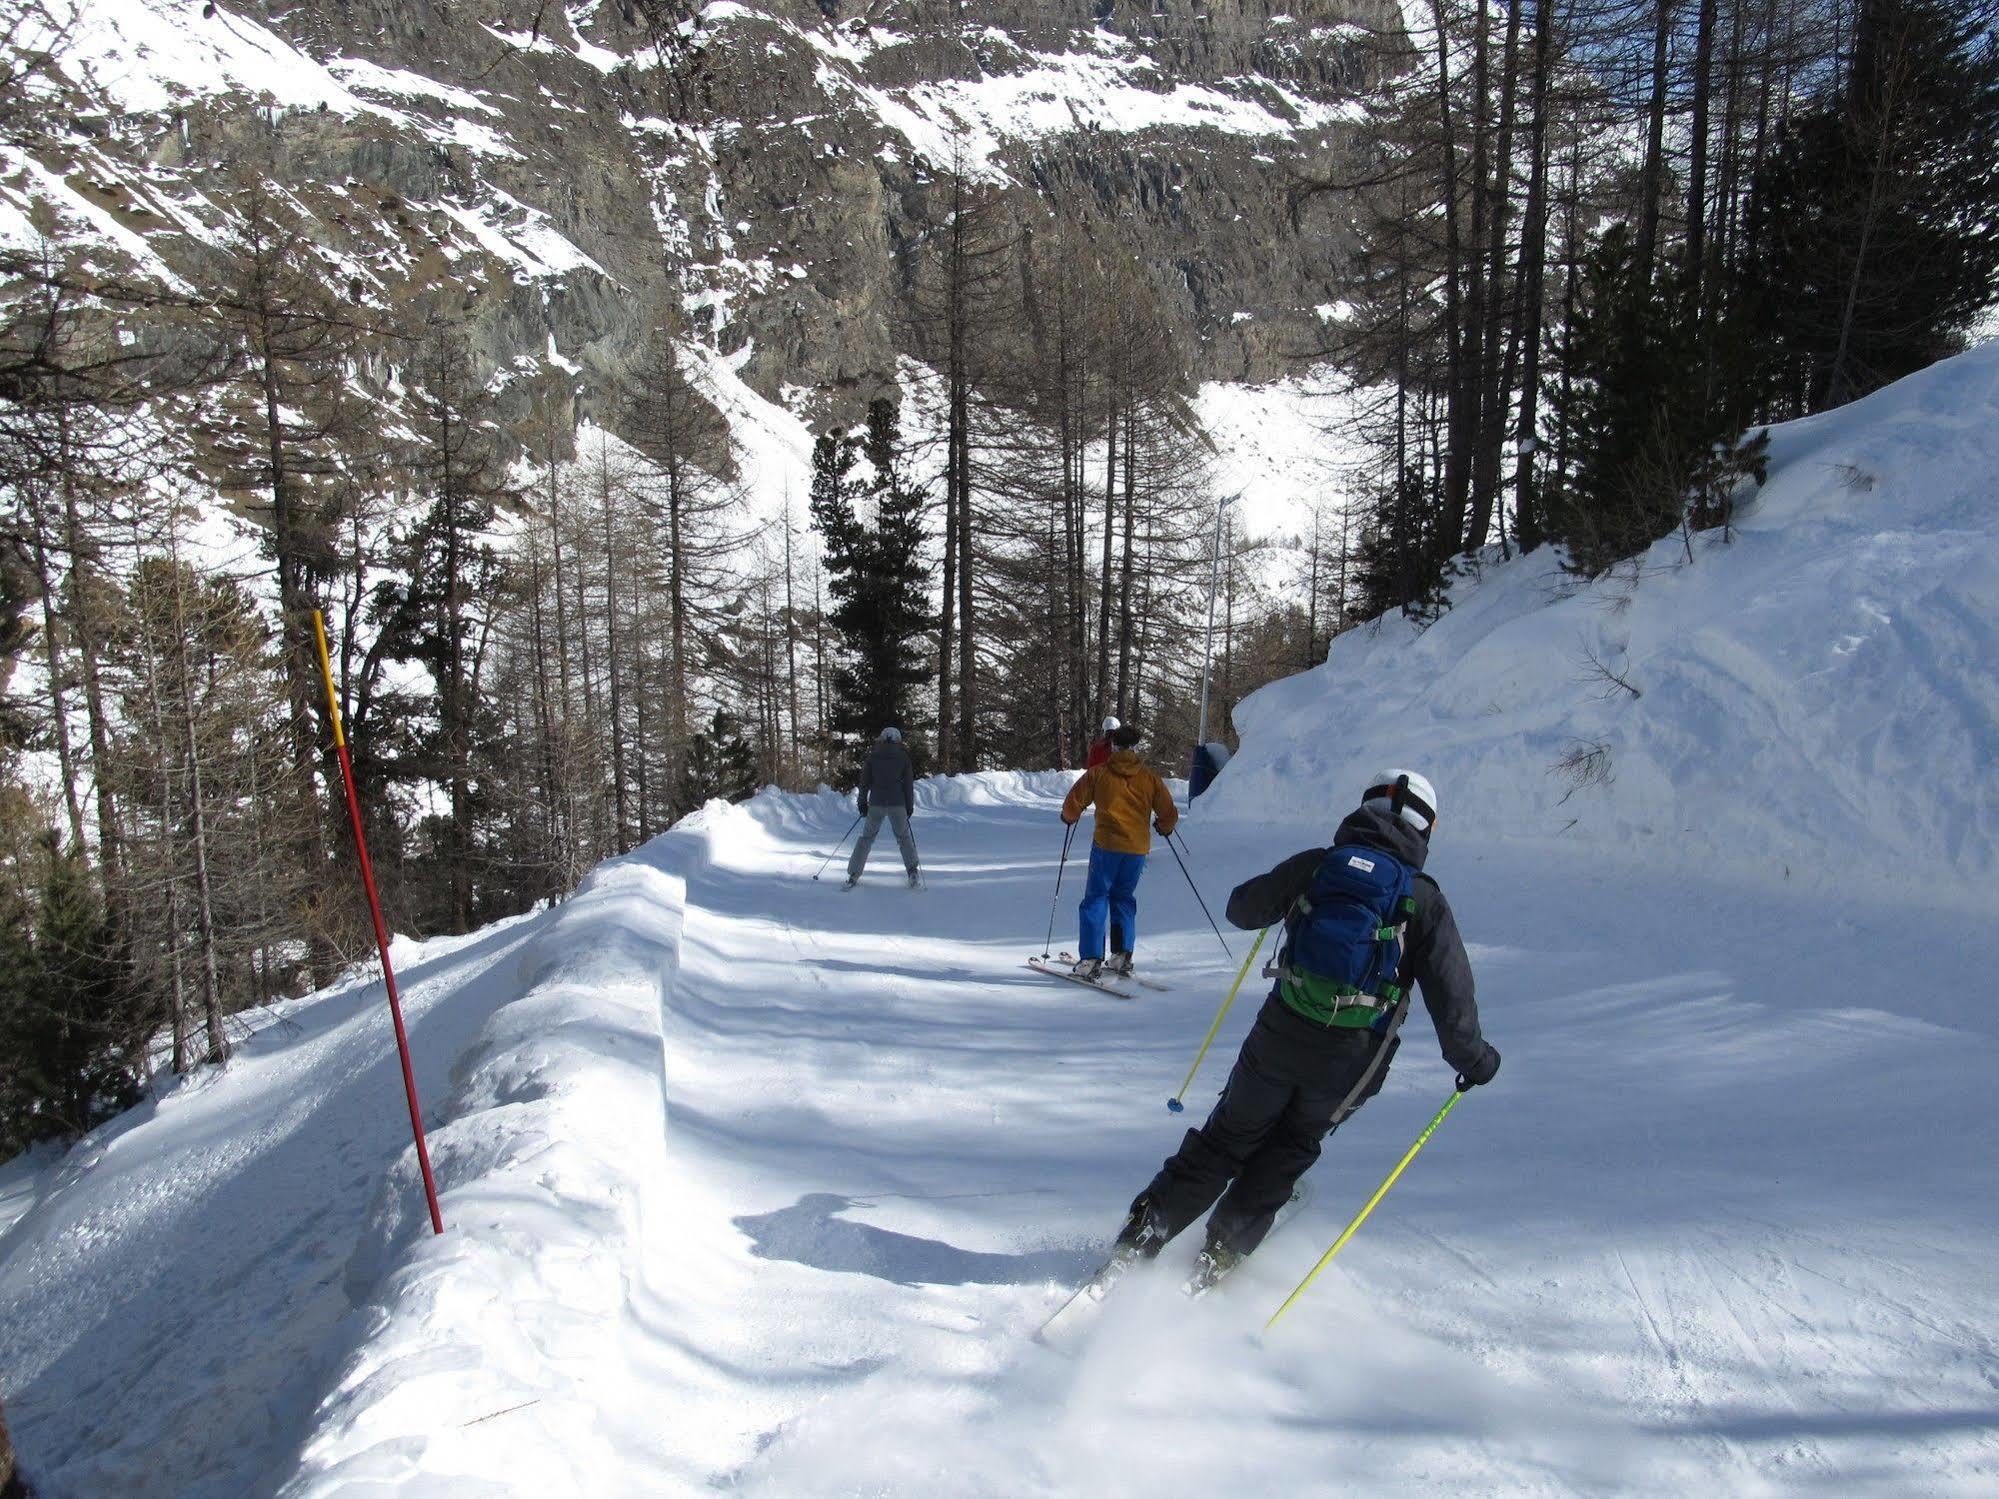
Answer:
(862, 803)
(1481, 1072)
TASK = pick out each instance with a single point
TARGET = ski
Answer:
(1102, 986)
(1066, 1322)
(1135, 978)
(1205, 1277)
(1063, 1322)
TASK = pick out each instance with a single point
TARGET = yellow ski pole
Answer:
(1361, 1217)
(1174, 1104)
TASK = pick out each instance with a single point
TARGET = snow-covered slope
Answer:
(755, 1185)
(1814, 701)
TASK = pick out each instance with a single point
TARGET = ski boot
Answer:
(1089, 970)
(1119, 964)
(914, 882)
(1143, 1235)
(852, 880)
(1217, 1259)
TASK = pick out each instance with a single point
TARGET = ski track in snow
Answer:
(1722, 1224)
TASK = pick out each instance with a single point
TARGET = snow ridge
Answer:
(549, 1166)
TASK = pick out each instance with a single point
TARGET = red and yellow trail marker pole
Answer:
(375, 910)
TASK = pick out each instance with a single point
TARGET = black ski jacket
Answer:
(888, 779)
(1433, 955)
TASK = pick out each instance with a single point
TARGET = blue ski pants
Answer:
(1111, 891)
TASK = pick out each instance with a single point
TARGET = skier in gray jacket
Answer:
(1298, 1077)
(888, 790)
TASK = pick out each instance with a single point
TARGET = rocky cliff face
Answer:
(574, 174)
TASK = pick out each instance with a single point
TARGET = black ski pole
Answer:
(1197, 896)
(1049, 940)
(836, 847)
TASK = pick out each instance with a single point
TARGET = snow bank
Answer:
(552, 1173)
(1813, 703)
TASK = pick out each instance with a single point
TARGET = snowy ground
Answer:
(760, 1186)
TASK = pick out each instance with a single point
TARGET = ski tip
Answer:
(1174, 1106)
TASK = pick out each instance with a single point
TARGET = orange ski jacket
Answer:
(1129, 798)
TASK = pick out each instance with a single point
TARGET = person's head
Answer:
(1110, 725)
(892, 734)
(1407, 794)
(1125, 736)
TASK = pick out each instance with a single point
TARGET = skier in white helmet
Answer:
(1101, 746)
(1362, 923)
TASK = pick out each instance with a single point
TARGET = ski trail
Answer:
(838, 1140)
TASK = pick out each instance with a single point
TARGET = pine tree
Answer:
(877, 579)
(1651, 448)
(1877, 216)
(439, 614)
(73, 1030)
(720, 763)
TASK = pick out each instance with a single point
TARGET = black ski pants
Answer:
(1281, 1101)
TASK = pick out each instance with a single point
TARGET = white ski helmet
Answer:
(1110, 724)
(1405, 792)
(892, 732)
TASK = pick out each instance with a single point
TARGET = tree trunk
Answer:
(1460, 409)
(619, 840)
(1697, 142)
(295, 606)
(1653, 176)
(89, 650)
(204, 896)
(1100, 702)
(1124, 644)
(1527, 524)
(59, 712)
(1497, 351)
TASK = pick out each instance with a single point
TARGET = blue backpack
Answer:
(1345, 949)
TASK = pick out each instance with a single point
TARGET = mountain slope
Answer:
(571, 174)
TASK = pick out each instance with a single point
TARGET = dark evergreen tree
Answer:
(21, 1084)
(1396, 562)
(721, 763)
(1651, 423)
(881, 607)
(1876, 218)
(438, 613)
(72, 1029)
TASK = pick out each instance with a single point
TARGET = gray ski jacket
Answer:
(1433, 952)
(888, 779)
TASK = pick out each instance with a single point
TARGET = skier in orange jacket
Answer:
(1131, 802)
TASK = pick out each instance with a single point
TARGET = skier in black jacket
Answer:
(1297, 1078)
